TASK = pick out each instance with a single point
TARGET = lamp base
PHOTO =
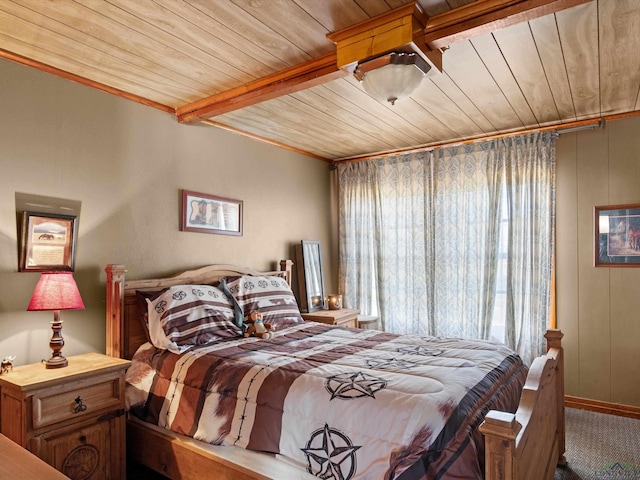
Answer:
(56, 362)
(56, 343)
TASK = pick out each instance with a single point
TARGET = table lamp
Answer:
(56, 291)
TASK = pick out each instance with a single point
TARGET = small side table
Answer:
(72, 417)
(368, 322)
(344, 317)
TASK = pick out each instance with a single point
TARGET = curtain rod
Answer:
(578, 128)
(564, 128)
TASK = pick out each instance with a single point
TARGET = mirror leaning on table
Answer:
(310, 276)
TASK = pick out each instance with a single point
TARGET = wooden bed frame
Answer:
(526, 445)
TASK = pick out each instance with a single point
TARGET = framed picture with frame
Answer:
(617, 235)
(47, 242)
(205, 213)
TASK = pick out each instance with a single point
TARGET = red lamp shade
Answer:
(56, 291)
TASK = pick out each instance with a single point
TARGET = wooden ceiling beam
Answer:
(459, 24)
(299, 77)
(485, 16)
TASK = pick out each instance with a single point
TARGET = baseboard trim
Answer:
(602, 407)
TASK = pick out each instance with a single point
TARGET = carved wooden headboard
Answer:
(125, 332)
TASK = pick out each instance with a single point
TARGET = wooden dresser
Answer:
(16, 463)
(344, 317)
(71, 417)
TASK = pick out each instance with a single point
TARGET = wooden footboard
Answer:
(530, 443)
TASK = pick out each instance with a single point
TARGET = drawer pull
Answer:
(80, 407)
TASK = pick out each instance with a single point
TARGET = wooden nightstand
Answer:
(344, 317)
(72, 417)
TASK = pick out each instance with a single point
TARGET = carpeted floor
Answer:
(599, 447)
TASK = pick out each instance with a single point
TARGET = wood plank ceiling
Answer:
(581, 62)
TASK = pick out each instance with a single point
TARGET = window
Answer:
(453, 242)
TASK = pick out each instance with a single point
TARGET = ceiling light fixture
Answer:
(393, 76)
(388, 53)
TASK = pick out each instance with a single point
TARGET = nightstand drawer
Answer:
(84, 398)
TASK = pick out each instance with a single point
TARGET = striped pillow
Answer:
(271, 296)
(187, 315)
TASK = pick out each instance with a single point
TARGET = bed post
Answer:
(115, 310)
(500, 430)
(287, 266)
(554, 341)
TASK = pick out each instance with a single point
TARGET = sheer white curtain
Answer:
(453, 242)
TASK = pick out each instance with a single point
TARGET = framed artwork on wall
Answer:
(47, 242)
(205, 213)
(617, 235)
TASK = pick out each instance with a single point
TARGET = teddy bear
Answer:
(256, 327)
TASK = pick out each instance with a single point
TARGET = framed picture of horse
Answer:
(617, 235)
(47, 242)
(205, 213)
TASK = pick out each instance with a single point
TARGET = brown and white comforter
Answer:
(341, 403)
